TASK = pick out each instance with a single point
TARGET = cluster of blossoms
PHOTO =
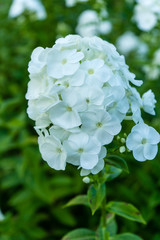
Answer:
(90, 23)
(152, 70)
(79, 93)
(147, 14)
(129, 42)
(19, 6)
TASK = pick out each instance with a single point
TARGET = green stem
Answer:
(103, 211)
(103, 219)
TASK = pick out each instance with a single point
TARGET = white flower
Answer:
(82, 150)
(38, 60)
(148, 100)
(78, 94)
(99, 166)
(135, 102)
(52, 152)
(63, 63)
(61, 133)
(18, 6)
(96, 72)
(115, 101)
(146, 14)
(102, 125)
(127, 42)
(65, 113)
(143, 142)
(105, 27)
(90, 24)
(91, 97)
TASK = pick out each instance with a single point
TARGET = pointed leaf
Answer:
(96, 194)
(112, 173)
(80, 234)
(102, 233)
(117, 162)
(125, 210)
(78, 200)
(125, 236)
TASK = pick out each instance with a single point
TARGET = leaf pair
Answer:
(86, 234)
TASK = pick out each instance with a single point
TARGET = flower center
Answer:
(69, 109)
(66, 84)
(80, 150)
(90, 71)
(87, 100)
(99, 124)
(64, 61)
(144, 140)
(59, 150)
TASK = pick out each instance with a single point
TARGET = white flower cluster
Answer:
(152, 70)
(19, 6)
(79, 93)
(91, 24)
(146, 14)
(129, 42)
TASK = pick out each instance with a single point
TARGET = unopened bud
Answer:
(122, 149)
(118, 137)
(123, 140)
(86, 180)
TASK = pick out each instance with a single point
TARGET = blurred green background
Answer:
(31, 193)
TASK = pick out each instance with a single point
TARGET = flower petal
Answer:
(88, 161)
(150, 151)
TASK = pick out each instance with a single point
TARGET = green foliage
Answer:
(78, 200)
(125, 236)
(80, 234)
(96, 194)
(117, 162)
(125, 210)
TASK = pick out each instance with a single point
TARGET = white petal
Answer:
(58, 162)
(93, 146)
(113, 126)
(60, 116)
(98, 167)
(138, 153)
(102, 153)
(103, 136)
(78, 78)
(81, 138)
(88, 161)
(69, 69)
(133, 140)
(49, 154)
(74, 159)
(84, 172)
(150, 151)
(154, 136)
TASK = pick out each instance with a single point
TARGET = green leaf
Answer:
(96, 194)
(102, 233)
(111, 224)
(125, 236)
(78, 200)
(112, 173)
(111, 228)
(125, 210)
(80, 234)
(117, 162)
